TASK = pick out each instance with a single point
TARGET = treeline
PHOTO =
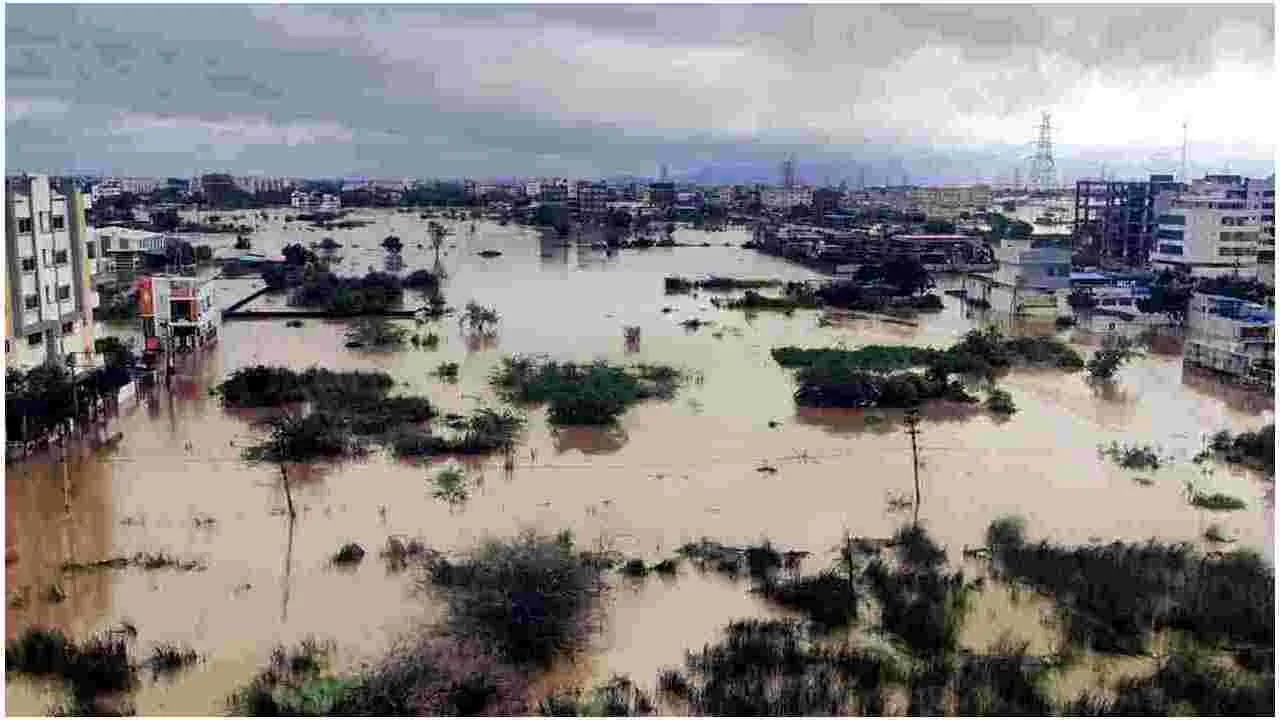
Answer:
(857, 378)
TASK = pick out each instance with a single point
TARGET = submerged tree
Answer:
(1114, 352)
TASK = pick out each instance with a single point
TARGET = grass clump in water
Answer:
(1133, 457)
(169, 658)
(99, 666)
(349, 554)
(592, 394)
(870, 357)
(1000, 402)
(450, 486)
(618, 698)
(528, 600)
(635, 568)
(1216, 501)
(777, 668)
(1115, 596)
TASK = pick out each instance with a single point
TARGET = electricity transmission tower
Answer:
(1043, 169)
(912, 420)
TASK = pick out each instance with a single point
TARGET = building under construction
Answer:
(1118, 218)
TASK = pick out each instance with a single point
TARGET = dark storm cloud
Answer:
(587, 89)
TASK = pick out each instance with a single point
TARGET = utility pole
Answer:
(913, 429)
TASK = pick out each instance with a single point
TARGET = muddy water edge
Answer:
(671, 472)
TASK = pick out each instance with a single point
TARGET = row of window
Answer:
(56, 222)
(1166, 234)
(32, 301)
(1166, 249)
(60, 257)
(1228, 236)
(1237, 220)
(1173, 220)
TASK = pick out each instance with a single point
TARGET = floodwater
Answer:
(670, 473)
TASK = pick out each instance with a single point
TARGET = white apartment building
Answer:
(532, 189)
(50, 255)
(786, 198)
(1262, 200)
(1230, 336)
(123, 252)
(1209, 231)
(106, 188)
(259, 183)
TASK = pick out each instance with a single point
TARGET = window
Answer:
(60, 257)
(1238, 236)
(44, 221)
(24, 225)
(1173, 220)
(1237, 252)
(106, 242)
(90, 250)
(44, 256)
(48, 294)
(1166, 249)
(68, 328)
(32, 301)
(124, 243)
(28, 264)
(59, 222)
(1164, 234)
(35, 339)
(64, 292)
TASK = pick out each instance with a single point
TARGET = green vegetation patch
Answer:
(582, 394)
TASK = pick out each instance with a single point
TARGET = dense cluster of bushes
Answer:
(674, 284)
(42, 399)
(582, 394)
(854, 378)
(342, 403)
(1115, 596)
(527, 601)
(1132, 457)
(839, 386)
(485, 430)
(1256, 449)
(375, 292)
(1188, 683)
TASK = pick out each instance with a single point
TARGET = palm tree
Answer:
(478, 317)
(437, 236)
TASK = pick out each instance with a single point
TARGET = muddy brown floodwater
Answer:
(672, 472)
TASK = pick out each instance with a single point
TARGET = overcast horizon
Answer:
(937, 93)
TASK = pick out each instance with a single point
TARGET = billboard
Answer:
(146, 301)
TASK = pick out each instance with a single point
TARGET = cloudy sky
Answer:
(941, 93)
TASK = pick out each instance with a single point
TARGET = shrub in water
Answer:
(527, 599)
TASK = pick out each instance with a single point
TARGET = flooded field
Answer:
(671, 472)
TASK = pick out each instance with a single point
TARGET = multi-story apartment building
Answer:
(1261, 196)
(1231, 336)
(263, 184)
(554, 190)
(532, 189)
(50, 254)
(786, 197)
(1210, 230)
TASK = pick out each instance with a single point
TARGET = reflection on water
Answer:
(669, 473)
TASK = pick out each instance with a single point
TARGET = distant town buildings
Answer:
(786, 197)
(50, 257)
(311, 202)
(123, 254)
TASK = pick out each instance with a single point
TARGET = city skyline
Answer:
(720, 94)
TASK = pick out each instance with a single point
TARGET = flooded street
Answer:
(671, 472)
